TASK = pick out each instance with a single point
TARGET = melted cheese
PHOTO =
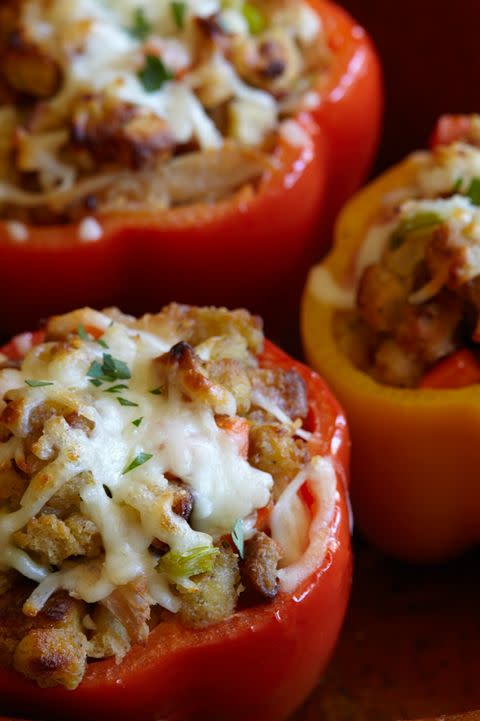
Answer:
(109, 59)
(182, 438)
(438, 174)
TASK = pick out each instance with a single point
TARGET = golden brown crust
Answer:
(215, 595)
(49, 648)
(273, 449)
(259, 567)
(117, 132)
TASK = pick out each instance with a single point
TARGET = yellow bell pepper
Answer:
(415, 452)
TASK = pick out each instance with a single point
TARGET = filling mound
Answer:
(149, 469)
(417, 298)
(110, 105)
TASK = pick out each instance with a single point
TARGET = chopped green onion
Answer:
(38, 384)
(116, 389)
(473, 192)
(421, 222)
(183, 565)
(178, 11)
(237, 537)
(111, 369)
(137, 421)
(141, 27)
(154, 74)
(139, 460)
(255, 20)
(126, 402)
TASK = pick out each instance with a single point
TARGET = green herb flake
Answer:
(473, 192)
(126, 402)
(115, 368)
(95, 370)
(82, 333)
(139, 460)
(157, 391)
(137, 422)
(102, 343)
(96, 382)
(457, 186)
(141, 27)
(178, 12)
(184, 565)
(237, 537)
(422, 222)
(255, 20)
(154, 74)
(110, 370)
(116, 389)
(38, 384)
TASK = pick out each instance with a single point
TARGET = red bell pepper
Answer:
(259, 664)
(450, 128)
(459, 370)
(254, 245)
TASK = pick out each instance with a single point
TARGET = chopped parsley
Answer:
(96, 382)
(110, 370)
(473, 192)
(82, 333)
(126, 402)
(457, 185)
(116, 389)
(237, 537)
(139, 460)
(178, 12)
(255, 20)
(154, 74)
(157, 391)
(141, 27)
(137, 422)
(38, 384)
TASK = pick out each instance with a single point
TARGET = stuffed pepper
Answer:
(152, 151)
(392, 321)
(174, 533)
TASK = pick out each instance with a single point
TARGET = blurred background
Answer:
(431, 56)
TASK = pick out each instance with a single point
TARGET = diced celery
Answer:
(255, 19)
(420, 223)
(184, 565)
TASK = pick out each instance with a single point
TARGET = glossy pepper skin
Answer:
(259, 664)
(254, 245)
(416, 452)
